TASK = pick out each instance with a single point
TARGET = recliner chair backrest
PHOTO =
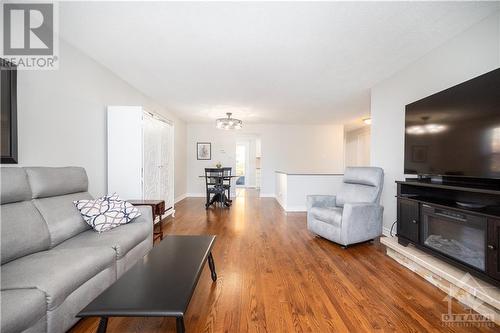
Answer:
(361, 184)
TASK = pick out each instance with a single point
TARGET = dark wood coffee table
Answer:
(159, 285)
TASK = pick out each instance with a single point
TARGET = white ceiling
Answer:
(285, 62)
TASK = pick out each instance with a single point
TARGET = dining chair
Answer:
(214, 184)
(226, 181)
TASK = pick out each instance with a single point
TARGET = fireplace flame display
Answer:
(457, 249)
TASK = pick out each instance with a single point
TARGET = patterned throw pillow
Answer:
(107, 212)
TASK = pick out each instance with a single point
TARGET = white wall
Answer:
(292, 190)
(472, 53)
(281, 189)
(62, 117)
(293, 148)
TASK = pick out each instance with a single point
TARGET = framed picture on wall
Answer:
(203, 151)
(8, 112)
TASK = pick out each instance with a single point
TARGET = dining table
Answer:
(216, 198)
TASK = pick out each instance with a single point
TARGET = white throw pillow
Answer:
(107, 212)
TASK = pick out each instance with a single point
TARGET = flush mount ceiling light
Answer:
(425, 129)
(229, 123)
(367, 121)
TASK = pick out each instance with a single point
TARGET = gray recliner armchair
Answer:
(352, 216)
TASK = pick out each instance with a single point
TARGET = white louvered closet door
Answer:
(167, 165)
(158, 160)
(152, 158)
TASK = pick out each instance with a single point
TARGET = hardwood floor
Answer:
(274, 276)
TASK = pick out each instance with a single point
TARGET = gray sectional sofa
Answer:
(53, 263)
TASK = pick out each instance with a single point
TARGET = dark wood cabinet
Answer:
(432, 215)
(408, 221)
(158, 210)
(493, 244)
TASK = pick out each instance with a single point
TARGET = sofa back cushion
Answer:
(361, 184)
(63, 219)
(23, 229)
(50, 182)
(14, 185)
(54, 190)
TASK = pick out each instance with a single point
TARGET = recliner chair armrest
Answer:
(321, 201)
(361, 221)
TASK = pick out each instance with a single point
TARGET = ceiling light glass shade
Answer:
(229, 123)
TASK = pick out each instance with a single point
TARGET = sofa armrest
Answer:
(361, 222)
(321, 201)
(146, 217)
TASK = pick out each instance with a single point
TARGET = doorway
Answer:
(357, 147)
(248, 164)
(242, 163)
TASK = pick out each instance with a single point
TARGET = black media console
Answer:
(432, 217)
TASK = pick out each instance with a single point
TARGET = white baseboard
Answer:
(169, 212)
(291, 209)
(196, 195)
(180, 197)
(296, 209)
(386, 231)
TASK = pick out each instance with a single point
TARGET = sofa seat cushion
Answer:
(21, 309)
(330, 215)
(56, 272)
(121, 239)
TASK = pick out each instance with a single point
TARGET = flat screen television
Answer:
(456, 132)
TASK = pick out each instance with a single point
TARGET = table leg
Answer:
(103, 324)
(161, 227)
(179, 321)
(211, 264)
(214, 199)
(227, 202)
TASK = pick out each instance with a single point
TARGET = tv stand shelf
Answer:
(485, 188)
(491, 211)
(429, 213)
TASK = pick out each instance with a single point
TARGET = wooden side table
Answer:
(158, 208)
